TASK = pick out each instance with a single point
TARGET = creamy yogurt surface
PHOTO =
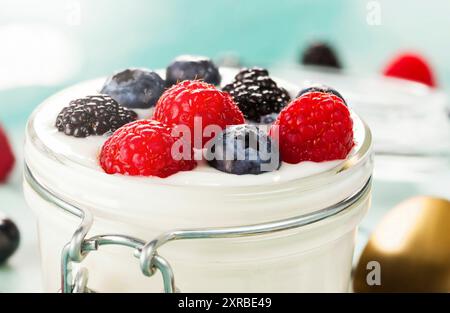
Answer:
(85, 151)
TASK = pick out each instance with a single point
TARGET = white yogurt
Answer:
(316, 257)
(85, 151)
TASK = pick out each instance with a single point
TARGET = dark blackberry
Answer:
(321, 54)
(187, 67)
(243, 149)
(321, 88)
(251, 73)
(257, 94)
(93, 115)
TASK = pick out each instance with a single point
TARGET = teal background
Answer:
(110, 35)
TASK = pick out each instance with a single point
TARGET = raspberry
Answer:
(7, 159)
(314, 127)
(188, 100)
(144, 148)
(411, 67)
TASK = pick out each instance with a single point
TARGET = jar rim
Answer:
(221, 232)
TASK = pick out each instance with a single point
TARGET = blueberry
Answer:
(243, 149)
(321, 54)
(265, 120)
(321, 88)
(9, 238)
(268, 119)
(135, 88)
(187, 67)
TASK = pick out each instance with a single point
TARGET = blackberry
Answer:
(135, 88)
(321, 54)
(251, 73)
(93, 115)
(243, 149)
(187, 67)
(322, 88)
(257, 94)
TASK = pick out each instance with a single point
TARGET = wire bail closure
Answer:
(79, 282)
(150, 261)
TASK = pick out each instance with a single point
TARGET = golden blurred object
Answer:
(412, 248)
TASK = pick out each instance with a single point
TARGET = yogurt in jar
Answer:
(315, 257)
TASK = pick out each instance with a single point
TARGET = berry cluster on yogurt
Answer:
(250, 126)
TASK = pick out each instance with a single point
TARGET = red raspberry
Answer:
(143, 148)
(314, 127)
(187, 100)
(7, 159)
(412, 67)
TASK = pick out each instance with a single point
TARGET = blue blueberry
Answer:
(9, 238)
(135, 88)
(321, 88)
(243, 149)
(187, 67)
(268, 119)
(265, 120)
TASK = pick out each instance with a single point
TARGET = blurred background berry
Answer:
(49, 44)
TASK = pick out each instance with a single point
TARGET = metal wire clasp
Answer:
(79, 246)
(79, 282)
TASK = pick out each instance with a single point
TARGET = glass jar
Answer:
(282, 235)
